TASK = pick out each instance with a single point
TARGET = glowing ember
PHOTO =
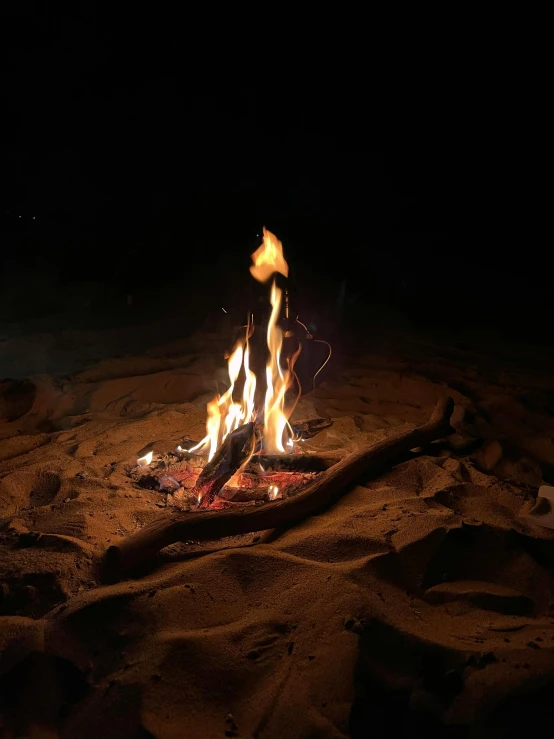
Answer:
(273, 492)
(225, 414)
(146, 460)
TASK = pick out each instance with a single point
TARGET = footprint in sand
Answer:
(45, 489)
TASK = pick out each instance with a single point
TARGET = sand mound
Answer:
(419, 601)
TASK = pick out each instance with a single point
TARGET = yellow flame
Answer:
(226, 414)
(146, 460)
(268, 259)
(249, 385)
(275, 420)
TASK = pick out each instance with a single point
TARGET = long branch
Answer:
(327, 487)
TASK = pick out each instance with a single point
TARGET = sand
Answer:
(420, 601)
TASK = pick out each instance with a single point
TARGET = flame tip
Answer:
(268, 258)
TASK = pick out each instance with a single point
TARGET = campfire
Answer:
(251, 472)
(252, 451)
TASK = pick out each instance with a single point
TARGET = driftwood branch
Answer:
(325, 489)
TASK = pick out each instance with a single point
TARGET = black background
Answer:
(144, 152)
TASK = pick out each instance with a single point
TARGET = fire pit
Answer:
(190, 480)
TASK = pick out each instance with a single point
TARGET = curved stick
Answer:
(327, 487)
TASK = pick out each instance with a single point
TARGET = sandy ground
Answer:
(421, 601)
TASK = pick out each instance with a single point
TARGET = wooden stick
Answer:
(327, 487)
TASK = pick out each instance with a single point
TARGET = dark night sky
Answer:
(110, 117)
(134, 138)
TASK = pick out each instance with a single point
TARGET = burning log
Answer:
(244, 494)
(295, 462)
(230, 456)
(325, 489)
(266, 487)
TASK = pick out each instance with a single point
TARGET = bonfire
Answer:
(251, 471)
(251, 452)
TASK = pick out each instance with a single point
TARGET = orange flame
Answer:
(226, 414)
(278, 380)
(269, 258)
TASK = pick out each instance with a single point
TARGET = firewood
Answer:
(230, 456)
(244, 495)
(324, 490)
(295, 462)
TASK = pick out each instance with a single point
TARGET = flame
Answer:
(268, 259)
(277, 379)
(226, 414)
(146, 460)
(249, 385)
(273, 492)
